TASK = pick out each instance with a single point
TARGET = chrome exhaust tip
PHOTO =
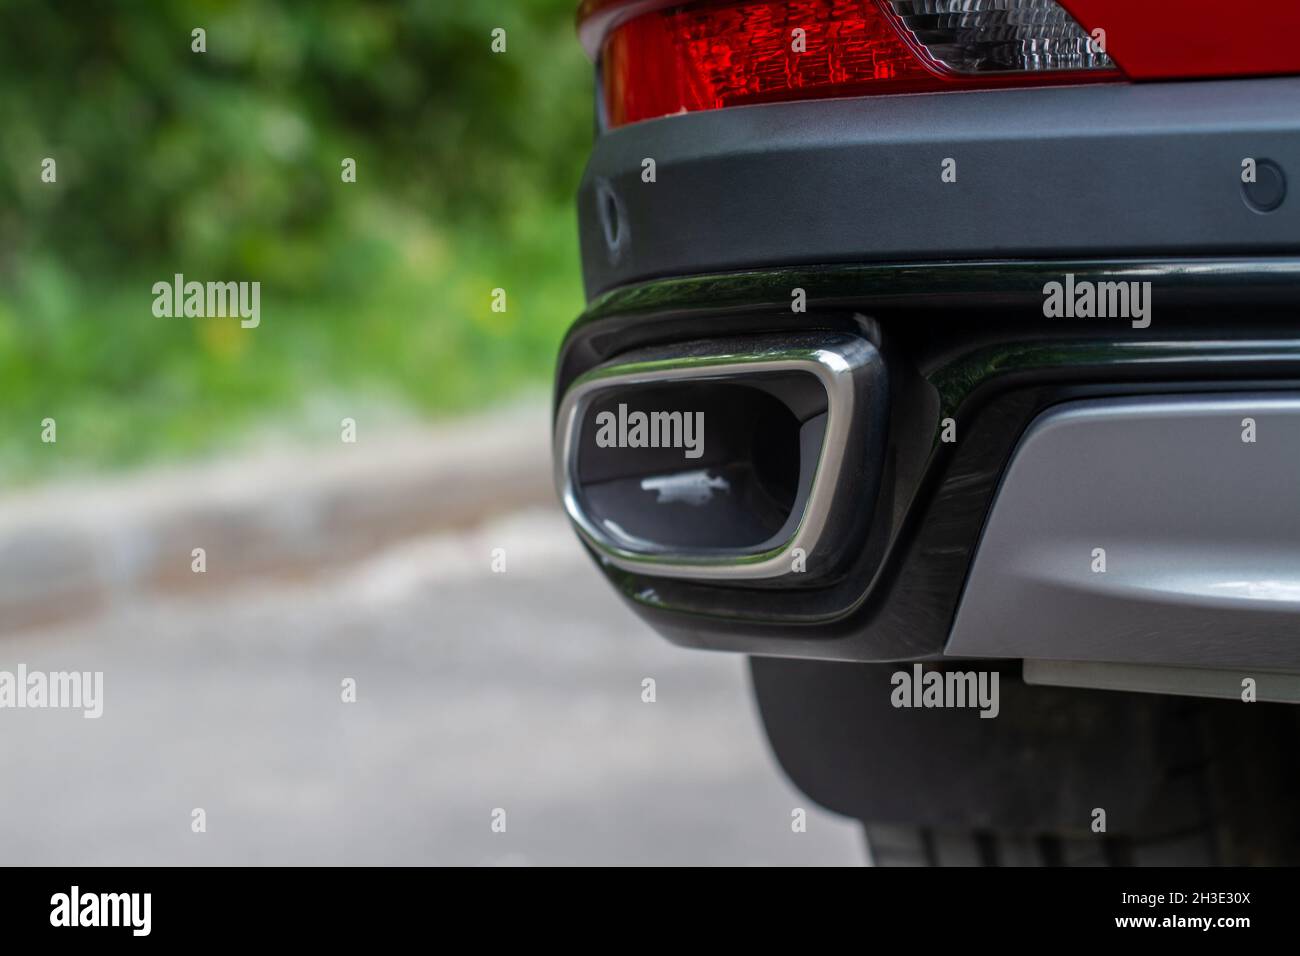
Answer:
(725, 460)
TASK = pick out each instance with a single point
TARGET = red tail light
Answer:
(659, 58)
(702, 56)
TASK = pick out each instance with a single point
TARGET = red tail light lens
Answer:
(704, 56)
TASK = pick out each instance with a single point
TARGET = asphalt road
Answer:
(475, 691)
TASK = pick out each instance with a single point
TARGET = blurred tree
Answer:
(226, 165)
(167, 151)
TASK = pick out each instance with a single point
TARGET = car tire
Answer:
(1238, 791)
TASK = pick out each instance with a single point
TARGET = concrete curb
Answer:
(69, 549)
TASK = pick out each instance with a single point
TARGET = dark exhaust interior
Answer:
(733, 466)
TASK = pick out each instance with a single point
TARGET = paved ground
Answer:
(475, 691)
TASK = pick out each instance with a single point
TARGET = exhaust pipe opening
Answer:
(720, 459)
(733, 488)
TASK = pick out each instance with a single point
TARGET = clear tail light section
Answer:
(710, 55)
(1001, 36)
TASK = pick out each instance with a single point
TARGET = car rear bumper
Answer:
(965, 343)
(842, 205)
(1113, 170)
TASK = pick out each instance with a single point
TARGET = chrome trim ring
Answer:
(835, 360)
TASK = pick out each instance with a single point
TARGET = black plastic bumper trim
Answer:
(1115, 169)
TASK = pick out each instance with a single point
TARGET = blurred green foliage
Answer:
(225, 165)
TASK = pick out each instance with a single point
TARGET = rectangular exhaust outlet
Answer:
(724, 460)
